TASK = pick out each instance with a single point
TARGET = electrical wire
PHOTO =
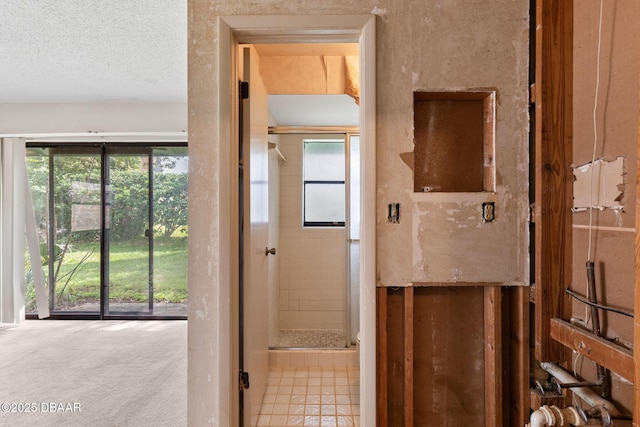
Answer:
(600, 306)
(579, 359)
(595, 133)
(593, 156)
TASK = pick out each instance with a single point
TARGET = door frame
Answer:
(233, 30)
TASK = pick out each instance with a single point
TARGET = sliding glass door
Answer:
(71, 226)
(128, 233)
(112, 223)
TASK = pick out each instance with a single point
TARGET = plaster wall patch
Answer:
(599, 185)
(377, 11)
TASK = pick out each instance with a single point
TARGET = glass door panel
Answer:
(354, 236)
(69, 226)
(128, 234)
(169, 187)
(38, 174)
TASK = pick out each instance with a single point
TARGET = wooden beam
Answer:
(611, 356)
(553, 178)
(493, 356)
(520, 355)
(382, 344)
(636, 320)
(408, 356)
(467, 284)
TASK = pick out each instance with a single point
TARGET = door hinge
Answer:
(532, 93)
(244, 90)
(532, 213)
(244, 380)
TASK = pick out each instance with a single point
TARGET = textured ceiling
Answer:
(93, 51)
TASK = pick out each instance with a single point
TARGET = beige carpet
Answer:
(93, 373)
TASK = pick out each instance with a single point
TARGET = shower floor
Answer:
(310, 338)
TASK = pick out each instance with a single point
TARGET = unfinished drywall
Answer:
(421, 46)
(613, 232)
(452, 46)
(599, 185)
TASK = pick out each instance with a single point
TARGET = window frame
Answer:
(343, 182)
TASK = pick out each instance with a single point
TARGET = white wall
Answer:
(12, 226)
(312, 260)
(23, 119)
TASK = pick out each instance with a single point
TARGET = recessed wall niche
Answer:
(454, 141)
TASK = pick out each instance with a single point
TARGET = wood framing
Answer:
(381, 355)
(439, 346)
(553, 179)
(611, 356)
(518, 336)
(408, 356)
(493, 356)
(391, 357)
(636, 320)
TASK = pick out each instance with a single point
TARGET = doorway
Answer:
(359, 29)
(111, 222)
(233, 30)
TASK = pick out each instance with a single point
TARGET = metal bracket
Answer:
(244, 381)
(244, 90)
(394, 213)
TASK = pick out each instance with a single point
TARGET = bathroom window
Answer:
(324, 183)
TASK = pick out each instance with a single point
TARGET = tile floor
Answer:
(311, 396)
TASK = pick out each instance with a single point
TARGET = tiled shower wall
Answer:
(312, 260)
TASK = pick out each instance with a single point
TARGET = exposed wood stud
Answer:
(520, 354)
(636, 320)
(553, 156)
(382, 344)
(611, 356)
(408, 356)
(493, 356)
(421, 325)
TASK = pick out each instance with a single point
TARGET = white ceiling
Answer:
(314, 110)
(95, 51)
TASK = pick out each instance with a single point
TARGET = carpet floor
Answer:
(93, 373)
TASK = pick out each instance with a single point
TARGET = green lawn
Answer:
(128, 272)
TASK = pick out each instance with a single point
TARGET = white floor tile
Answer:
(311, 396)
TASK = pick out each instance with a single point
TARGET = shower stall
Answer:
(314, 279)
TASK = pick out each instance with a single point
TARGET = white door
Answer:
(255, 166)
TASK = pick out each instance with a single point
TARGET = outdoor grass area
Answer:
(128, 272)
